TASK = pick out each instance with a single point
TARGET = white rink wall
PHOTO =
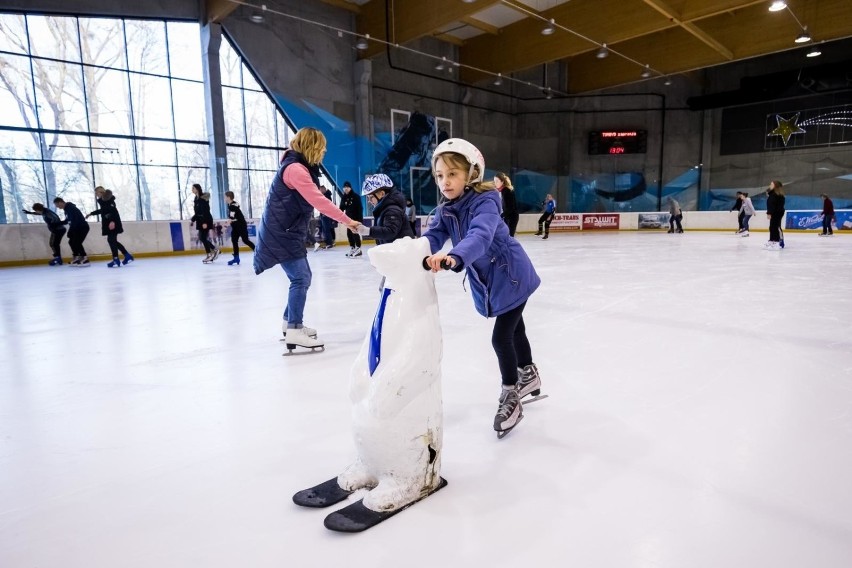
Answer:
(26, 243)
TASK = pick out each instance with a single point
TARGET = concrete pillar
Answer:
(211, 39)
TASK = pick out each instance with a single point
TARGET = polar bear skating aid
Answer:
(395, 390)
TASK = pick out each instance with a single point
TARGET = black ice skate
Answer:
(299, 338)
(509, 413)
(529, 384)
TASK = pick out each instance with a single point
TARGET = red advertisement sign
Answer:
(600, 221)
(566, 222)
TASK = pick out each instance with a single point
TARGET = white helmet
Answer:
(466, 149)
(376, 182)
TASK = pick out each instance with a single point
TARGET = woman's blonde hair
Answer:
(458, 161)
(505, 179)
(310, 143)
(779, 187)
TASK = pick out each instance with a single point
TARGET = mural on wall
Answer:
(629, 191)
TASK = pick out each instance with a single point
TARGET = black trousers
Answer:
(826, 225)
(354, 238)
(55, 241)
(204, 237)
(115, 246)
(675, 219)
(510, 343)
(775, 228)
(545, 220)
(75, 240)
(512, 223)
(235, 239)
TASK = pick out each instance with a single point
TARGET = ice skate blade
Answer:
(534, 398)
(291, 350)
(503, 433)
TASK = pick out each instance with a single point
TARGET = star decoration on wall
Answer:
(787, 127)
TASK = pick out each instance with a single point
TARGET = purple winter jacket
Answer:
(502, 276)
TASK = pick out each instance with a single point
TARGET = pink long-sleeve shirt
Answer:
(297, 177)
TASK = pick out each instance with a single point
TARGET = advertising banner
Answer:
(653, 220)
(812, 220)
(600, 221)
(566, 222)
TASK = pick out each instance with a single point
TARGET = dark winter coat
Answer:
(775, 203)
(350, 204)
(828, 208)
(738, 205)
(54, 223)
(109, 214)
(510, 204)
(284, 225)
(74, 218)
(201, 210)
(390, 222)
(238, 220)
(501, 275)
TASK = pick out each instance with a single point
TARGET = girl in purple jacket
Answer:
(500, 273)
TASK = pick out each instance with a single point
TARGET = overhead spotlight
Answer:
(647, 72)
(440, 66)
(602, 52)
(548, 93)
(667, 82)
(498, 80)
(468, 1)
(549, 28)
(814, 52)
(362, 42)
(257, 18)
(777, 6)
(803, 37)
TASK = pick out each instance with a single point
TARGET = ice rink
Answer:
(700, 413)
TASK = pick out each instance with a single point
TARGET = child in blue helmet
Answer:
(500, 274)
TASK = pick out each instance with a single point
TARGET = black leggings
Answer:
(205, 240)
(55, 240)
(511, 345)
(75, 240)
(512, 223)
(115, 246)
(354, 238)
(235, 239)
(545, 220)
(775, 227)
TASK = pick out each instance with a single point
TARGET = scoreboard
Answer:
(618, 142)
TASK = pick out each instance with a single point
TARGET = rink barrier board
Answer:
(27, 243)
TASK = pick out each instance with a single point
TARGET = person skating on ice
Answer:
(827, 216)
(293, 195)
(775, 211)
(203, 222)
(747, 211)
(56, 228)
(510, 203)
(738, 207)
(675, 216)
(110, 225)
(78, 228)
(351, 205)
(239, 227)
(389, 221)
(500, 274)
(547, 215)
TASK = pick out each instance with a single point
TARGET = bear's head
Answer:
(401, 262)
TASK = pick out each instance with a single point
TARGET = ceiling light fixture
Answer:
(803, 37)
(602, 52)
(777, 6)
(667, 82)
(549, 28)
(548, 93)
(362, 42)
(468, 1)
(814, 52)
(647, 72)
(440, 66)
(257, 18)
(498, 80)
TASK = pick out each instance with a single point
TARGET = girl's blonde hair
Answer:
(458, 161)
(310, 143)
(505, 179)
(779, 187)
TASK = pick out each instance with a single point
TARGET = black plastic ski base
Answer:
(357, 518)
(322, 495)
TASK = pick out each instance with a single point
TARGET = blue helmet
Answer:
(375, 182)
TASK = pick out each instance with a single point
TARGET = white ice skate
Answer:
(298, 338)
(309, 331)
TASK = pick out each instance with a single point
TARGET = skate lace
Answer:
(507, 405)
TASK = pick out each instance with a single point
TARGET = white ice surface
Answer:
(700, 413)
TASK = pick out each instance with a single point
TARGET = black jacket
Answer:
(775, 203)
(201, 208)
(390, 223)
(351, 205)
(238, 220)
(738, 205)
(510, 204)
(54, 223)
(109, 214)
(74, 218)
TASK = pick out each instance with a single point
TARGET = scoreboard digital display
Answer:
(616, 142)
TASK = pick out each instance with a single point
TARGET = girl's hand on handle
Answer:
(439, 261)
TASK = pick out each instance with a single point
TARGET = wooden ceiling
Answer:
(669, 36)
